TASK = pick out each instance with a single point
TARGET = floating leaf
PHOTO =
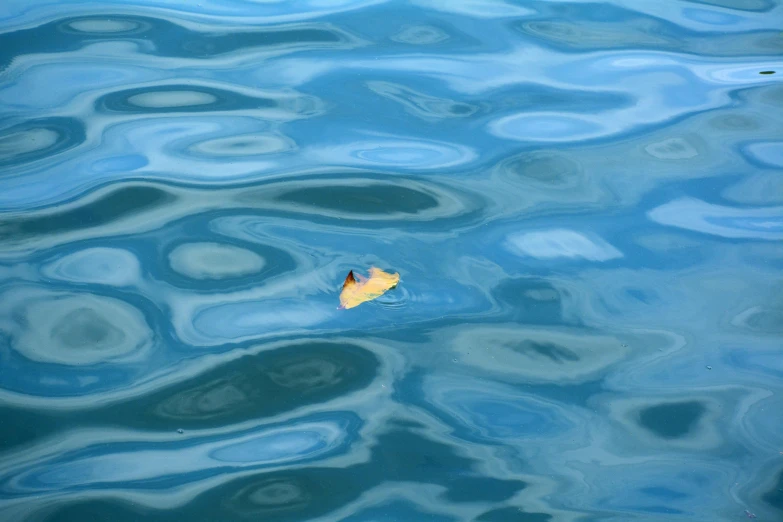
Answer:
(358, 289)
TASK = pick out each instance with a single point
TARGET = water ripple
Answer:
(39, 139)
(131, 463)
(692, 214)
(73, 328)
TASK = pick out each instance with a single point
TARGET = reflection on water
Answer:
(37, 139)
(583, 200)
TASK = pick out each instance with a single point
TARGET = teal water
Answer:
(584, 202)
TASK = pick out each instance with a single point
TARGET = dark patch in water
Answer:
(552, 351)
(85, 329)
(511, 514)
(257, 386)
(113, 206)
(482, 489)
(774, 497)
(368, 201)
(97, 511)
(673, 420)
(160, 37)
(533, 301)
(378, 198)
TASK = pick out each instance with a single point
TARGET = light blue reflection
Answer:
(495, 413)
(109, 462)
(700, 216)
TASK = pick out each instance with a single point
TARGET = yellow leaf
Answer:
(357, 292)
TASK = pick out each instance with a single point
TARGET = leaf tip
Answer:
(350, 280)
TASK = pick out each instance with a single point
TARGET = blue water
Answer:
(584, 202)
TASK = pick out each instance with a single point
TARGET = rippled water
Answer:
(584, 202)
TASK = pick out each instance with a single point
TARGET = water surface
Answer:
(584, 201)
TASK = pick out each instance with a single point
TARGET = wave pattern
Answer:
(583, 199)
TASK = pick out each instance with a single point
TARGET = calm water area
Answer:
(583, 200)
